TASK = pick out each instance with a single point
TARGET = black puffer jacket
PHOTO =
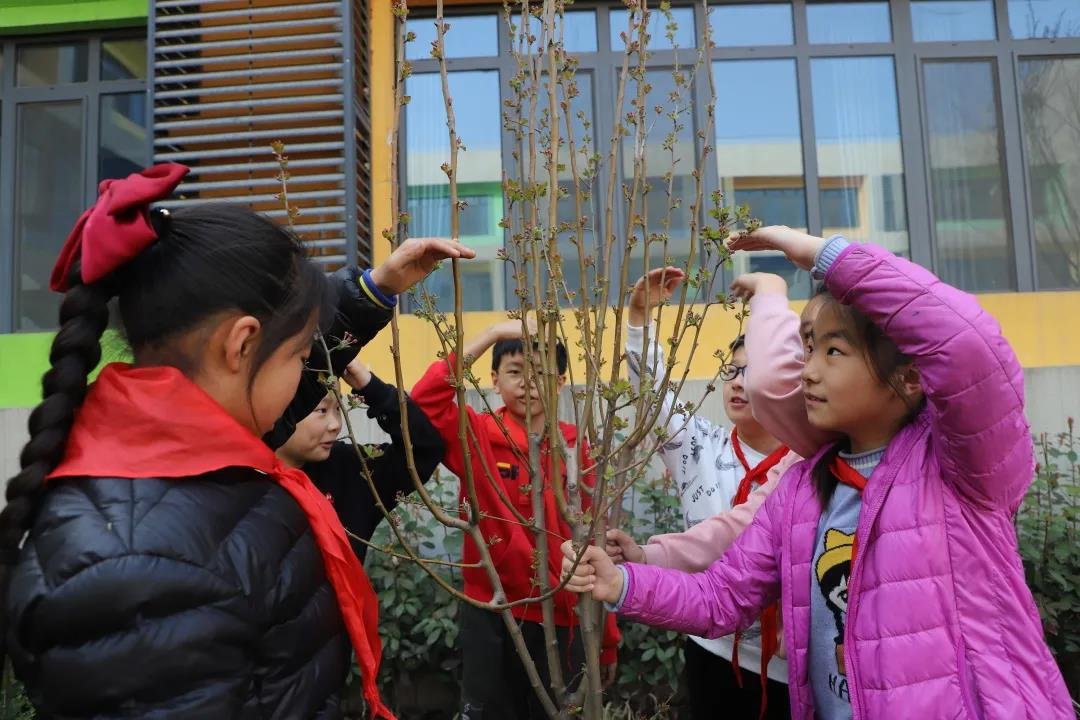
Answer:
(238, 621)
(356, 314)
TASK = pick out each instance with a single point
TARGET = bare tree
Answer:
(559, 185)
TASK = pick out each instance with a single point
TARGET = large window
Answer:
(944, 130)
(73, 113)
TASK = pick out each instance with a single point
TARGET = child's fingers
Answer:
(445, 248)
(742, 288)
(747, 243)
(620, 538)
(584, 568)
(568, 550)
(670, 276)
(581, 584)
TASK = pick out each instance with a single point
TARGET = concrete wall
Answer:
(1053, 394)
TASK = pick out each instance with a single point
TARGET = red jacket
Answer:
(511, 545)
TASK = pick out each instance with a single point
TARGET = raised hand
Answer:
(511, 329)
(505, 330)
(653, 288)
(595, 573)
(414, 260)
(621, 547)
(800, 248)
(357, 374)
(748, 285)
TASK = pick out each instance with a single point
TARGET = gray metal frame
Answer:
(349, 91)
(908, 57)
(89, 94)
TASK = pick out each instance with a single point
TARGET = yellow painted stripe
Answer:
(1037, 324)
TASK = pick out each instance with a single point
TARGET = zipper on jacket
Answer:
(861, 537)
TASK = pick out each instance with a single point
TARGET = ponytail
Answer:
(75, 352)
(170, 272)
(824, 480)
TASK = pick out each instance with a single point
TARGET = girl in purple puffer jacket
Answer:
(892, 552)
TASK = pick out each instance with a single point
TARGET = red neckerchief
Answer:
(154, 422)
(757, 475)
(847, 475)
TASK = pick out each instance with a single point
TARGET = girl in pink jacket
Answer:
(892, 552)
(722, 475)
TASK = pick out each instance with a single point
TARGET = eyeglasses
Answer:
(730, 372)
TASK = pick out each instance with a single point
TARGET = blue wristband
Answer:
(387, 301)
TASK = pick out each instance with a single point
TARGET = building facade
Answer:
(946, 130)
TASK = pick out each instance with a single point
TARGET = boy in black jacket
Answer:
(335, 468)
(365, 301)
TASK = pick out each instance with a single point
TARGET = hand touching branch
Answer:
(414, 260)
(650, 290)
(800, 248)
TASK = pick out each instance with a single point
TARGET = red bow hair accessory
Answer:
(117, 227)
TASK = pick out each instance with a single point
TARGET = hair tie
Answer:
(161, 220)
(116, 228)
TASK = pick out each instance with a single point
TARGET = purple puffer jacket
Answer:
(940, 621)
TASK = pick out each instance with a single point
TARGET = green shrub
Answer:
(1048, 528)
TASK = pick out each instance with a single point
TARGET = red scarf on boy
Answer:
(154, 422)
(757, 475)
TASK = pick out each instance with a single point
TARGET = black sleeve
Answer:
(359, 315)
(390, 470)
(341, 476)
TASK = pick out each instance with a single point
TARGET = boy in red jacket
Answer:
(494, 683)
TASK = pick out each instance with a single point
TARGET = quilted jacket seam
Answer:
(900, 634)
(901, 581)
(1003, 633)
(285, 556)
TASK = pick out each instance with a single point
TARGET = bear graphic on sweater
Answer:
(833, 569)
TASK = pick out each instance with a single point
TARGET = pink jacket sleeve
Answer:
(726, 597)
(970, 374)
(695, 549)
(774, 364)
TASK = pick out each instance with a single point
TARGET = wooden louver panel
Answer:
(232, 76)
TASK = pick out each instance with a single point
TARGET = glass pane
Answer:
(759, 155)
(967, 181)
(666, 149)
(849, 22)
(51, 64)
(1044, 18)
(123, 59)
(1050, 101)
(48, 200)
(479, 175)
(751, 24)
(578, 30)
(581, 112)
(860, 166)
(683, 33)
(952, 20)
(466, 36)
(122, 145)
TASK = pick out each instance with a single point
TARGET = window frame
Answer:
(908, 58)
(89, 95)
